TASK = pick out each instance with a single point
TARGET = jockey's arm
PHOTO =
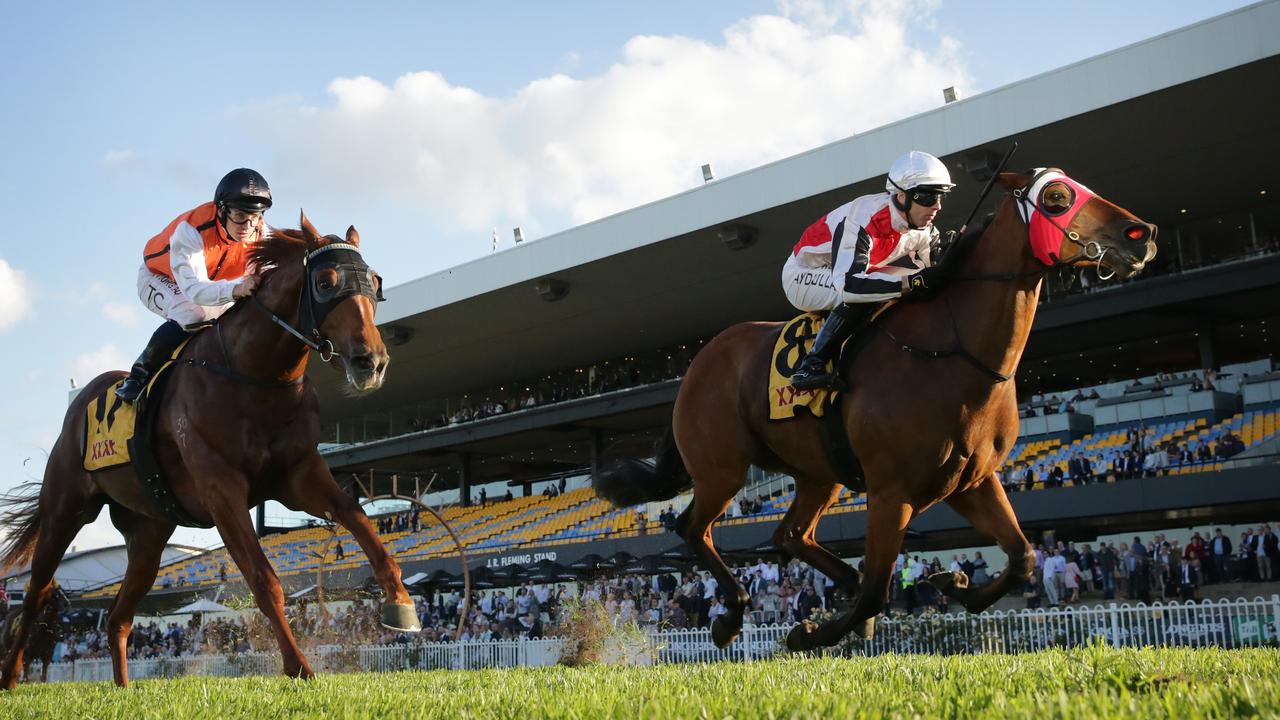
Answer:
(186, 259)
(852, 272)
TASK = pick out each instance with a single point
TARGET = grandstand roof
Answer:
(92, 568)
(1154, 125)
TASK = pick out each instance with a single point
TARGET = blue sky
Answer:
(429, 124)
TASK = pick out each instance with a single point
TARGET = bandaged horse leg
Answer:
(987, 508)
(313, 490)
(887, 520)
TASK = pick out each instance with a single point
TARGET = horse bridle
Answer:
(1092, 250)
(314, 304)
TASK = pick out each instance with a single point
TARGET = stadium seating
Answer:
(579, 516)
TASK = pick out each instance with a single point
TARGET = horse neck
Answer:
(257, 346)
(995, 317)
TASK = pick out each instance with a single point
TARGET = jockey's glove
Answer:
(926, 281)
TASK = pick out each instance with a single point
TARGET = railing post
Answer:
(1115, 625)
(1275, 618)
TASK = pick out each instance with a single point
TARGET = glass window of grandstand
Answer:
(1226, 237)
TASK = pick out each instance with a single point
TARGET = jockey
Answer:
(865, 252)
(195, 269)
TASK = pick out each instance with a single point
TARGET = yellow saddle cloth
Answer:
(109, 422)
(793, 343)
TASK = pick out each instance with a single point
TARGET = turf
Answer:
(1091, 682)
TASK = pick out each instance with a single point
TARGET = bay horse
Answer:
(237, 425)
(42, 640)
(927, 429)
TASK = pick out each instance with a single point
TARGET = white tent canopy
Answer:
(200, 606)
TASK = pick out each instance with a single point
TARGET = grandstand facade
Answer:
(528, 366)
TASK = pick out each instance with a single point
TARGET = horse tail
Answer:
(21, 514)
(630, 481)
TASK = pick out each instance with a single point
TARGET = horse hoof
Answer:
(722, 633)
(865, 629)
(949, 582)
(801, 637)
(401, 618)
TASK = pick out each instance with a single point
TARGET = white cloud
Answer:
(15, 296)
(126, 314)
(118, 158)
(565, 150)
(92, 364)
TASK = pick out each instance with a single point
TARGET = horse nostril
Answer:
(1137, 233)
(363, 363)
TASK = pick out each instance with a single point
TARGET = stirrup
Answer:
(130, 395)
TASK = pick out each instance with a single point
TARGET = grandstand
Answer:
(551, 382)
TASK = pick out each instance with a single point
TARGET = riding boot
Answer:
(841, 322)
(163, 342)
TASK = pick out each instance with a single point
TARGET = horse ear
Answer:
(309, 231)
(1013, 181)
(353, 237)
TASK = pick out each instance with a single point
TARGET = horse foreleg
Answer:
(987, 508)
(886, 526)
(795, 535)
(313, 490)
(227, 502)
(145, 540)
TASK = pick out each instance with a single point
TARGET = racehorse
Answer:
(42, 639)
(929, 425)
(237, 425)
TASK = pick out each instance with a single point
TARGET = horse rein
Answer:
(306, 310)
(1091, 250)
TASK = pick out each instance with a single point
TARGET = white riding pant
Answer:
(163, 297)
(810, 289)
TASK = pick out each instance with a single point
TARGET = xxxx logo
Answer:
(104, 448)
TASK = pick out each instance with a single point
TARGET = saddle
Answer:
(784, 399)
(117, 433)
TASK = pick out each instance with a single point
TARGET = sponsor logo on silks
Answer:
(104, 449)
(917, 282)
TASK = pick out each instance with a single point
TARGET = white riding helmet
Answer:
(917, 169)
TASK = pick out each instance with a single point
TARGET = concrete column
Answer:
(464, 479)
(1208, 355)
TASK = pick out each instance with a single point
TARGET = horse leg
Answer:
(145, 540)
(987, 508)
(226, 499)
(711, 495)
(60, 520)
(313, 490)
(795, 536)
(886, 526)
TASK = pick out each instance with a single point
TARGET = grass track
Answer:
(1093, 682)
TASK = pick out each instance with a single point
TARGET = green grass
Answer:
(1093, 682)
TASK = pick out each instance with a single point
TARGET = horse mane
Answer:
(278, 247)
(960, 248)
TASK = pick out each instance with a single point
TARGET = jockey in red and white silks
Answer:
(864, 252)
(861, 252)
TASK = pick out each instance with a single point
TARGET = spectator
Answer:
(1032, 592)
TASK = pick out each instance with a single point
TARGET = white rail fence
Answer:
(1225, 623)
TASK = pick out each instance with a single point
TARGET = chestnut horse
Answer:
(237, 425)
(927, 429)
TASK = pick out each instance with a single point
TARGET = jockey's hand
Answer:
(925, 281)
(247, 285)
